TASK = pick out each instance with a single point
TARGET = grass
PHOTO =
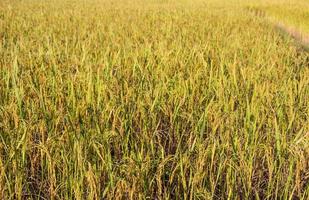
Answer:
(150, 100)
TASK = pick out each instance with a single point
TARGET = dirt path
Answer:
(300, 38)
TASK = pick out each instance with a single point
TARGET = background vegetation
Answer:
(156, 99)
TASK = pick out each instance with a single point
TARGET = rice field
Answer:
(158, 99)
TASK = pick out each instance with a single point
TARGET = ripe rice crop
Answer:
(156, 99)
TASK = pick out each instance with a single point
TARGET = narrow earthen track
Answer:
(299, 37)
